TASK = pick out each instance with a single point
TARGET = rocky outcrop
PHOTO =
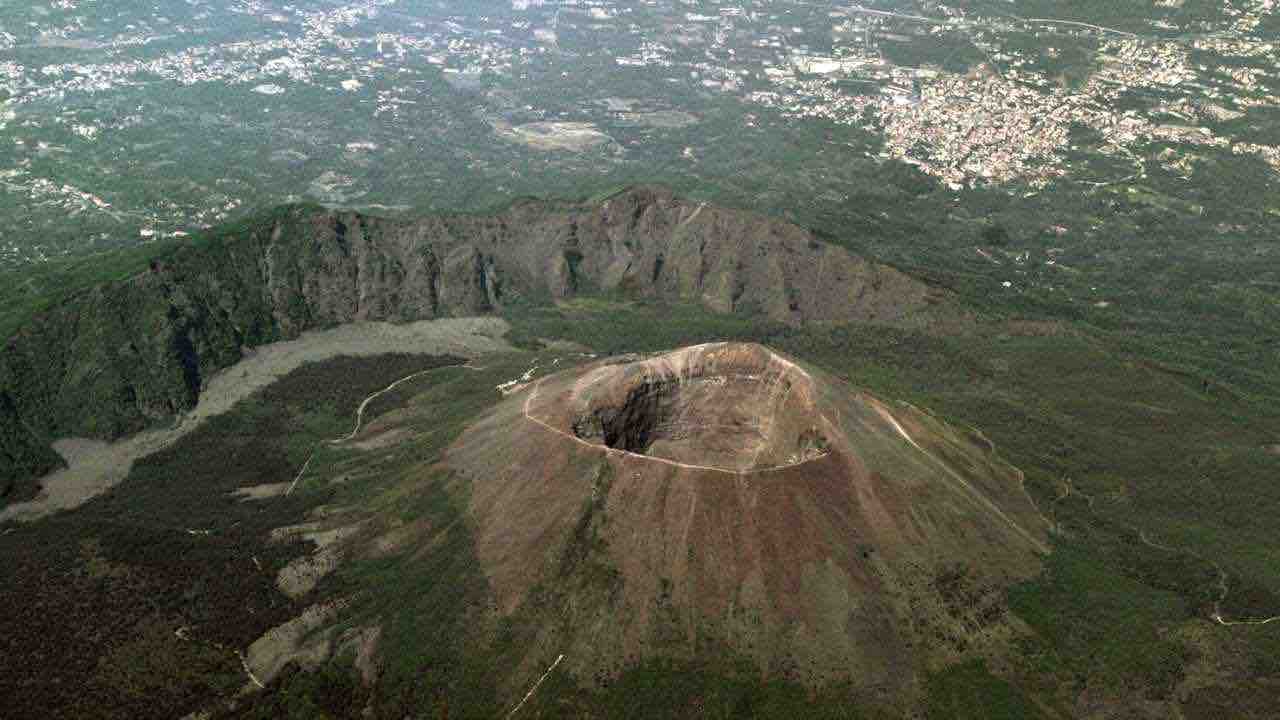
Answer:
(121, 356)
(644, 242)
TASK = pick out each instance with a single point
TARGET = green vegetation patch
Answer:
(725, 690)
(135, 604)
(970, 692)
(427, 593)
(1096, 624)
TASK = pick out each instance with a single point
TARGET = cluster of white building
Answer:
(1002, 122)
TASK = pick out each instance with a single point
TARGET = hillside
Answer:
(117, 357)
(723, 499)
(388, 559)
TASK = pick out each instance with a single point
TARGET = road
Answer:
(360, 417)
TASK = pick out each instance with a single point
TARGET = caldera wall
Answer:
(124, 355)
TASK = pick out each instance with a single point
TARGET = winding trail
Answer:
(360, 417)
(1216, 615)
(972, 491)
(360, 412)
(244, 663)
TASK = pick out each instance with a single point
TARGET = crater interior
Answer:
(731, 406)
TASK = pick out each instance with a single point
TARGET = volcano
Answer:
(724, 499)
(734, 408)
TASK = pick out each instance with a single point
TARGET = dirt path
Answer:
(970, 489)
(1216, 615)
(244, 663)
(360, 412)
(534, 689)
(93, 467)
(360, 417)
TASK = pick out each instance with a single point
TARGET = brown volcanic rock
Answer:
(124, 355)
(644, 241)
(722, 497)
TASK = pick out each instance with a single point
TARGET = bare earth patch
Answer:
(301, 575)
(93, 466)
(261, 492)
(571, 136)
(665, 119)
(295, 641)
(364, 640)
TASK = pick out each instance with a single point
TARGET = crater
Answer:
(730, 406)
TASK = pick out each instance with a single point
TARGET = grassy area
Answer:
(27, 292)
(970, 692)
(430, 621)
(680, 689)
(35, 288)
(1096, 625)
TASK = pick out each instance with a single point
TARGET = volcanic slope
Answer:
(722, 498)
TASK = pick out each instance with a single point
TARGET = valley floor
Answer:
(93, 466)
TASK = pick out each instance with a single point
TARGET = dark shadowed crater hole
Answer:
(733, 421)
